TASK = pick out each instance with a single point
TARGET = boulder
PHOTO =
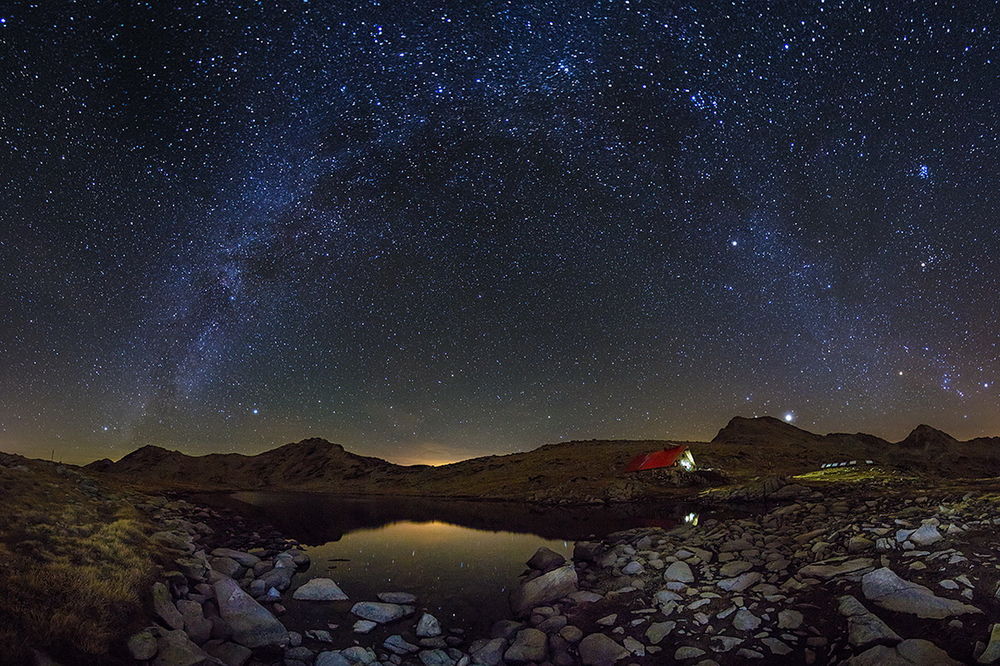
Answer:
(142, 645)
(528, 645)
(197, 626)
(245, 559)
(545, 559)
(397, 597)
(490, 653)
(231, 654)
(428, 626)
(600, 650)
(827, 571)
(992, 652)
(864, 628)
(319, 589)
(252, 625)
(679, 572)
(911, 652)
(891, 592)
(397, 645)
(543, 589)
(174, 648)
(381, 612)
(925, 535)
(164, 607)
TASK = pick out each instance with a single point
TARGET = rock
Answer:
(319, 589)
(891, 592)
(546, 588)
(435, 658)
(571, 633)
(490, 653)
(600, 650)
(381, 612)
(744, 620)
(734, 568)
(859, 544)
(252, 625)
(428, 626)
(331, 658)
(245, 559)
(164, 607)
(231, 654)
(529, 645)
(142, 645)
(776, 646)
(789, 619)
(587, 551)
(687, 652)
(359, 655)
(397, 645)
(397, 597)
(632, 568)
(911, 652)
(197, 626)
(992, 652)
(364, 626)
(657, 631)
(723, 643)
(827, 571)
(925, 535)
(227, 566)
(545, 560)
(679, 571)
(321, 635)
(741, 582)
(174, 648)
(864, 628)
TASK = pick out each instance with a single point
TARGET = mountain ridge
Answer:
(590, 470)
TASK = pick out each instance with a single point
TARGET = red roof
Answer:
(655, 459)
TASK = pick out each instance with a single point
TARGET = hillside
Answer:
(564, 472)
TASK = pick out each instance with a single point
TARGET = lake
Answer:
(460, 558)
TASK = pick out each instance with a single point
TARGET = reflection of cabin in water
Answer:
(673, 457)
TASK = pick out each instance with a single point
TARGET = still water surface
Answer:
(459, 557)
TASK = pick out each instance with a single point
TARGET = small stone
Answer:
(364, 626)
(428, 626)
(529, 645)
(680, 572)
(789, 619)
(687, 652)
(657, 631)
(744, 620)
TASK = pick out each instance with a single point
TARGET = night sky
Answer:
(429, 231)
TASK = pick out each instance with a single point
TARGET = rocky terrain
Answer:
(895, 562)
(564, 473)
(843, 570)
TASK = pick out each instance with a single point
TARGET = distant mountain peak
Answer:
(761, 429)
(925, 435)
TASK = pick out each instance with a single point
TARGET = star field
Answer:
(430, 231)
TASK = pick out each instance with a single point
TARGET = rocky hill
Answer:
(578, 471)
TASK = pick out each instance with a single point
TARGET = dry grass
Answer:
(74, 564)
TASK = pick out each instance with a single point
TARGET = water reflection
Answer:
(458, 557)
(316, 519)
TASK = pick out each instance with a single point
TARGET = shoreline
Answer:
(800, 583)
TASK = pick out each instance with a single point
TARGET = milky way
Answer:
(431, 231)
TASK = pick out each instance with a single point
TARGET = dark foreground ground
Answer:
(859, 565)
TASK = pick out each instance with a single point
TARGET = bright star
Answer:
(255, 411)
(789, 417)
